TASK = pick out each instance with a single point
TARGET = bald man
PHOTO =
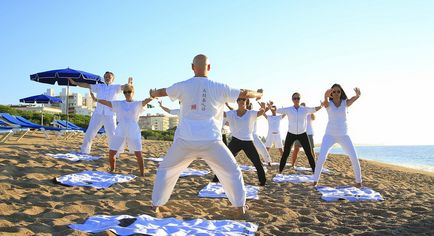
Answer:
(199, 134)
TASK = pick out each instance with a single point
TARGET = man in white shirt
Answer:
(199, 134)
(273, 137)
(103, 115)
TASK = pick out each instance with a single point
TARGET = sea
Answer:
(416, 157)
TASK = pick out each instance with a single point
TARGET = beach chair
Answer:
(24, 123)
(5, 133)
(12, 129)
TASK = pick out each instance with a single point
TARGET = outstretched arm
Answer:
(82, 85)
(261, 110)
(228, 106)
(104, 102)
(246, 93)
(327, 95)
(146, 101)
(320, 106)
(155, 93)
(163, 107)
(354, 98)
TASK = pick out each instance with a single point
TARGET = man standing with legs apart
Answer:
(102, 115)
(199, 135)
(273, 137)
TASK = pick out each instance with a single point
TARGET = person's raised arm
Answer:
(104, 102)
(261, 110)
(354, 98)
(155, 93)
(246, 93)
(146, 101)
(163, 107)
(228, 106)
(327, 95)
(319, 107)
(82, 85)
(130, 82)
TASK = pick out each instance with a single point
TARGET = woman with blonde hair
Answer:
(128, 130)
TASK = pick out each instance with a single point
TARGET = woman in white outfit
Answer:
(336, 103)
(128, 130)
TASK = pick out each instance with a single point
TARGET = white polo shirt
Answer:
(242, 127)
(105, 92)
(202, 106)
(274, 124)
(128, 114)
(337, 124)
(296, 118)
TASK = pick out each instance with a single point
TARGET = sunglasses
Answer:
(337, 91)
(128, 92)
(296, 98)
(241, 99)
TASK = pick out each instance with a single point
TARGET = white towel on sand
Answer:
(193, 172)
(349, 193)
(96, 179)
(279, 178)
(74, 156)
(156, 159)
(215, 190)
(144, 224)
(251, 168)
(302, 169)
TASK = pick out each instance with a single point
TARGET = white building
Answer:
(77, 103)
(158, 122)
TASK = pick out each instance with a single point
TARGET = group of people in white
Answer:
(202, 129)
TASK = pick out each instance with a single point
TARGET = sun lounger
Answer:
(5, 134)
(12, 129)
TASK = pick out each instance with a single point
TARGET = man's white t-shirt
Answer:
(242, 127)
(296, 118)
(105, 92)
(202, 106)
(309, 129)
(274, 124)
(175, 112)
(128, 116)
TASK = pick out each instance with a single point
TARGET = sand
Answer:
(30, 203)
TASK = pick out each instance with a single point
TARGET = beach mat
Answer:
(251, 168)
(296, 179)
(349, 193)
(215, 190)
(74, 156)
(148, 225)
(156, 159)
(192, 172)
(96, 179)
(303, 169)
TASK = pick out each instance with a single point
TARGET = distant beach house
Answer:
(158, 122)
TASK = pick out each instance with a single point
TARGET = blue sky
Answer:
(384, 47)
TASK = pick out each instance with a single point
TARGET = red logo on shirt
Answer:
(193, 107)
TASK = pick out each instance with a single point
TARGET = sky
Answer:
(384, 47)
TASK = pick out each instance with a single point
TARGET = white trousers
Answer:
(214, 153)
(274, 139)
(260, 147)
(96, 122)
(347, 145)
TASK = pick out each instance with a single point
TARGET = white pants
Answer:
(327, 142)
(134, 143)
(214, 153)
(95, 124)
(260, 147)
(274, 139)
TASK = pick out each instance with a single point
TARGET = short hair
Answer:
(109, 73)
(128, 87)
(296, 93)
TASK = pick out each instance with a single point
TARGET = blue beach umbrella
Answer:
(61, 77)
(41, 99)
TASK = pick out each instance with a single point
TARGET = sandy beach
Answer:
(30, 203)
